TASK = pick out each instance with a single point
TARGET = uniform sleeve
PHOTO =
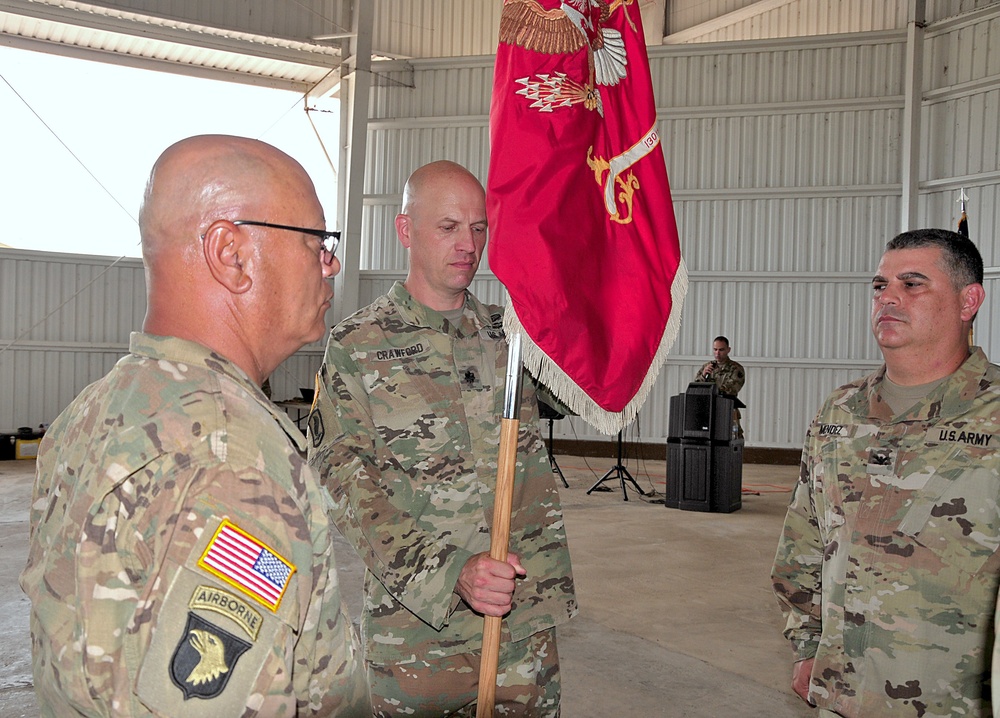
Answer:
(275, 622)
(797, 572)
(330, 679)
(700, 374)
(733, 381)
(417, 567)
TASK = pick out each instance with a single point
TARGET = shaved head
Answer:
(255, 294)
(425, 181)
(208, 177)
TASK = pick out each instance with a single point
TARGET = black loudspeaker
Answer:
(704, 459)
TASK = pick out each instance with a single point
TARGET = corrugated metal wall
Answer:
(722, 20)
(65, 320)
(793, 18)
(684, 14)
(785, 161)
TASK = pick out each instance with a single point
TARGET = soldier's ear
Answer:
(228, 255)
(973, 296)
(403, 226)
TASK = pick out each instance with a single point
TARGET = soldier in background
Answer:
(180, 560)
(888, 565)
(405, 435)
(727, 374)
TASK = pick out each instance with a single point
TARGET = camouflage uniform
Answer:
(729, 376)
(888, 566)
(405, 435)
(140, 607)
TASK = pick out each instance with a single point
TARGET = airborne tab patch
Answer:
(209, 598)
(245, 563)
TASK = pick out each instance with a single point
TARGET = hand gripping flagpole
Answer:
(500, 534)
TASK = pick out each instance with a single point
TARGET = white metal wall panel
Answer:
(65, 320)
(960, 132)
(683, 14)
(943, 9)
(959, 51)
(775, 19)
(68, 298)
(800, 235)
(855, 147)
(748, 76)
(436, 28)
(986, 330)
(962, 137)
(467, 141)
(806, 319)
(452, 88)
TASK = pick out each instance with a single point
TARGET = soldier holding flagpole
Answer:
(405, 436)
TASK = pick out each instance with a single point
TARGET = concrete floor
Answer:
(677, 617)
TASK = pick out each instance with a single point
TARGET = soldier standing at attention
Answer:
(180, 560)
(405, 435)
(888, 565)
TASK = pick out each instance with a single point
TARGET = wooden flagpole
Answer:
(500, 533)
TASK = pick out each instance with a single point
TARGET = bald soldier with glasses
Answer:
(181, 558)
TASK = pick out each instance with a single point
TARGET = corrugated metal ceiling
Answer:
(86, 30)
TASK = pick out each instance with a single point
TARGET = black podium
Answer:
(704, 455)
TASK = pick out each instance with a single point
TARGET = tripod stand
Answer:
(552, 457)
(619, 472)
(547, 412)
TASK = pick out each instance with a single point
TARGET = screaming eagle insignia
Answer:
(204, 658)
(574, 25)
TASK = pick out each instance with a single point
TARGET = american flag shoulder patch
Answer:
(248, 564)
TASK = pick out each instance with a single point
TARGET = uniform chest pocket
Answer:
(957, 515)
(831, 475)
(418, 417)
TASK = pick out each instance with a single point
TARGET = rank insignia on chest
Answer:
(247, 564)
(204, 659)
(881, 460)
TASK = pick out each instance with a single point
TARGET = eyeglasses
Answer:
(330, 240)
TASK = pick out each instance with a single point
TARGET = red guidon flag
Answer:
(582, 230)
